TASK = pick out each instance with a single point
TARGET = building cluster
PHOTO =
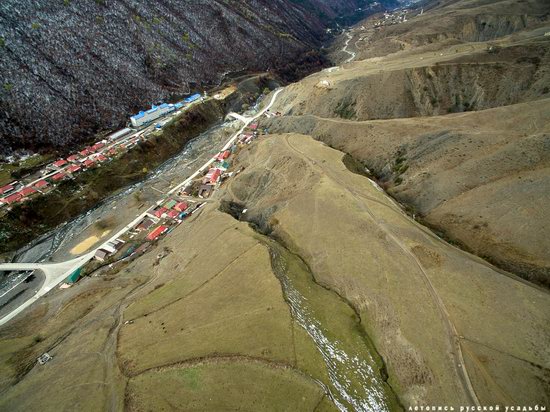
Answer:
(88, 158)
(167, 214)
(158, 221)
(391, 18)
(144, 118)
(163, 217)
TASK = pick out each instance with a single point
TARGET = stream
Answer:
(353, 366)
(43, 248)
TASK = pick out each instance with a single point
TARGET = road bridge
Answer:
(54, 274)
(237, 116)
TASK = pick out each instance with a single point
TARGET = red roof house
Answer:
(181, 206)
(254, 126)
(89, 163)
(172, 214)
(26, 191)
(101, 158)
(157, 232)
(5, 189)
(73, 168)
(40, 184)
(97, 146)
(16, 197)
(60, 163)
(85, 152)
(73, 158)
(223, 155)
(160, 212)
(59, 176)
(213, 175)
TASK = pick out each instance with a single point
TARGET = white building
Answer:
(152, 114)
(119, 134)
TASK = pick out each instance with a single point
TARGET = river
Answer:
(55, 245)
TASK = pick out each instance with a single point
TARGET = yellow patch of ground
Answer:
(88, 243)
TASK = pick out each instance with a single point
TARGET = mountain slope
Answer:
(457, 132)
(70, 68)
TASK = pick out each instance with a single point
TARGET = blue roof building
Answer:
(152, 114)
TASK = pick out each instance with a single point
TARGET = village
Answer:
(391, 18)
(99, 254)
(90, 157)
(168, 213)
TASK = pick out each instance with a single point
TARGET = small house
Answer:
(60, 163)
(160, 212)
(170, 204)
(212, 176)
(59, 176)
(173, 214)
(6, 189)
(41, 184)
(73, 158)
(27, 191)
(73, 277)
(145, 224)
(97, 146)
(14, 198)
(187, 190)
(89, 163)
(181, 206)
(155, 234)
(73, 168)
(101, 255)
(205, 191)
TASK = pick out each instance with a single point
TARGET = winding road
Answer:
(345, 48)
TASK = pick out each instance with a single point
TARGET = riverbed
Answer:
(121, 207)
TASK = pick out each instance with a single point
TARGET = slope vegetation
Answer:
(450, 327)
(71, 68)
(458, 133)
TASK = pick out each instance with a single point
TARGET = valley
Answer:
(371, 237)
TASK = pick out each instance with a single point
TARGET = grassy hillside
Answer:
(457, 133)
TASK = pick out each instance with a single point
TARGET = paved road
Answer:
(345, 48)
(21, 292)
(55, 273)
(237, 116)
